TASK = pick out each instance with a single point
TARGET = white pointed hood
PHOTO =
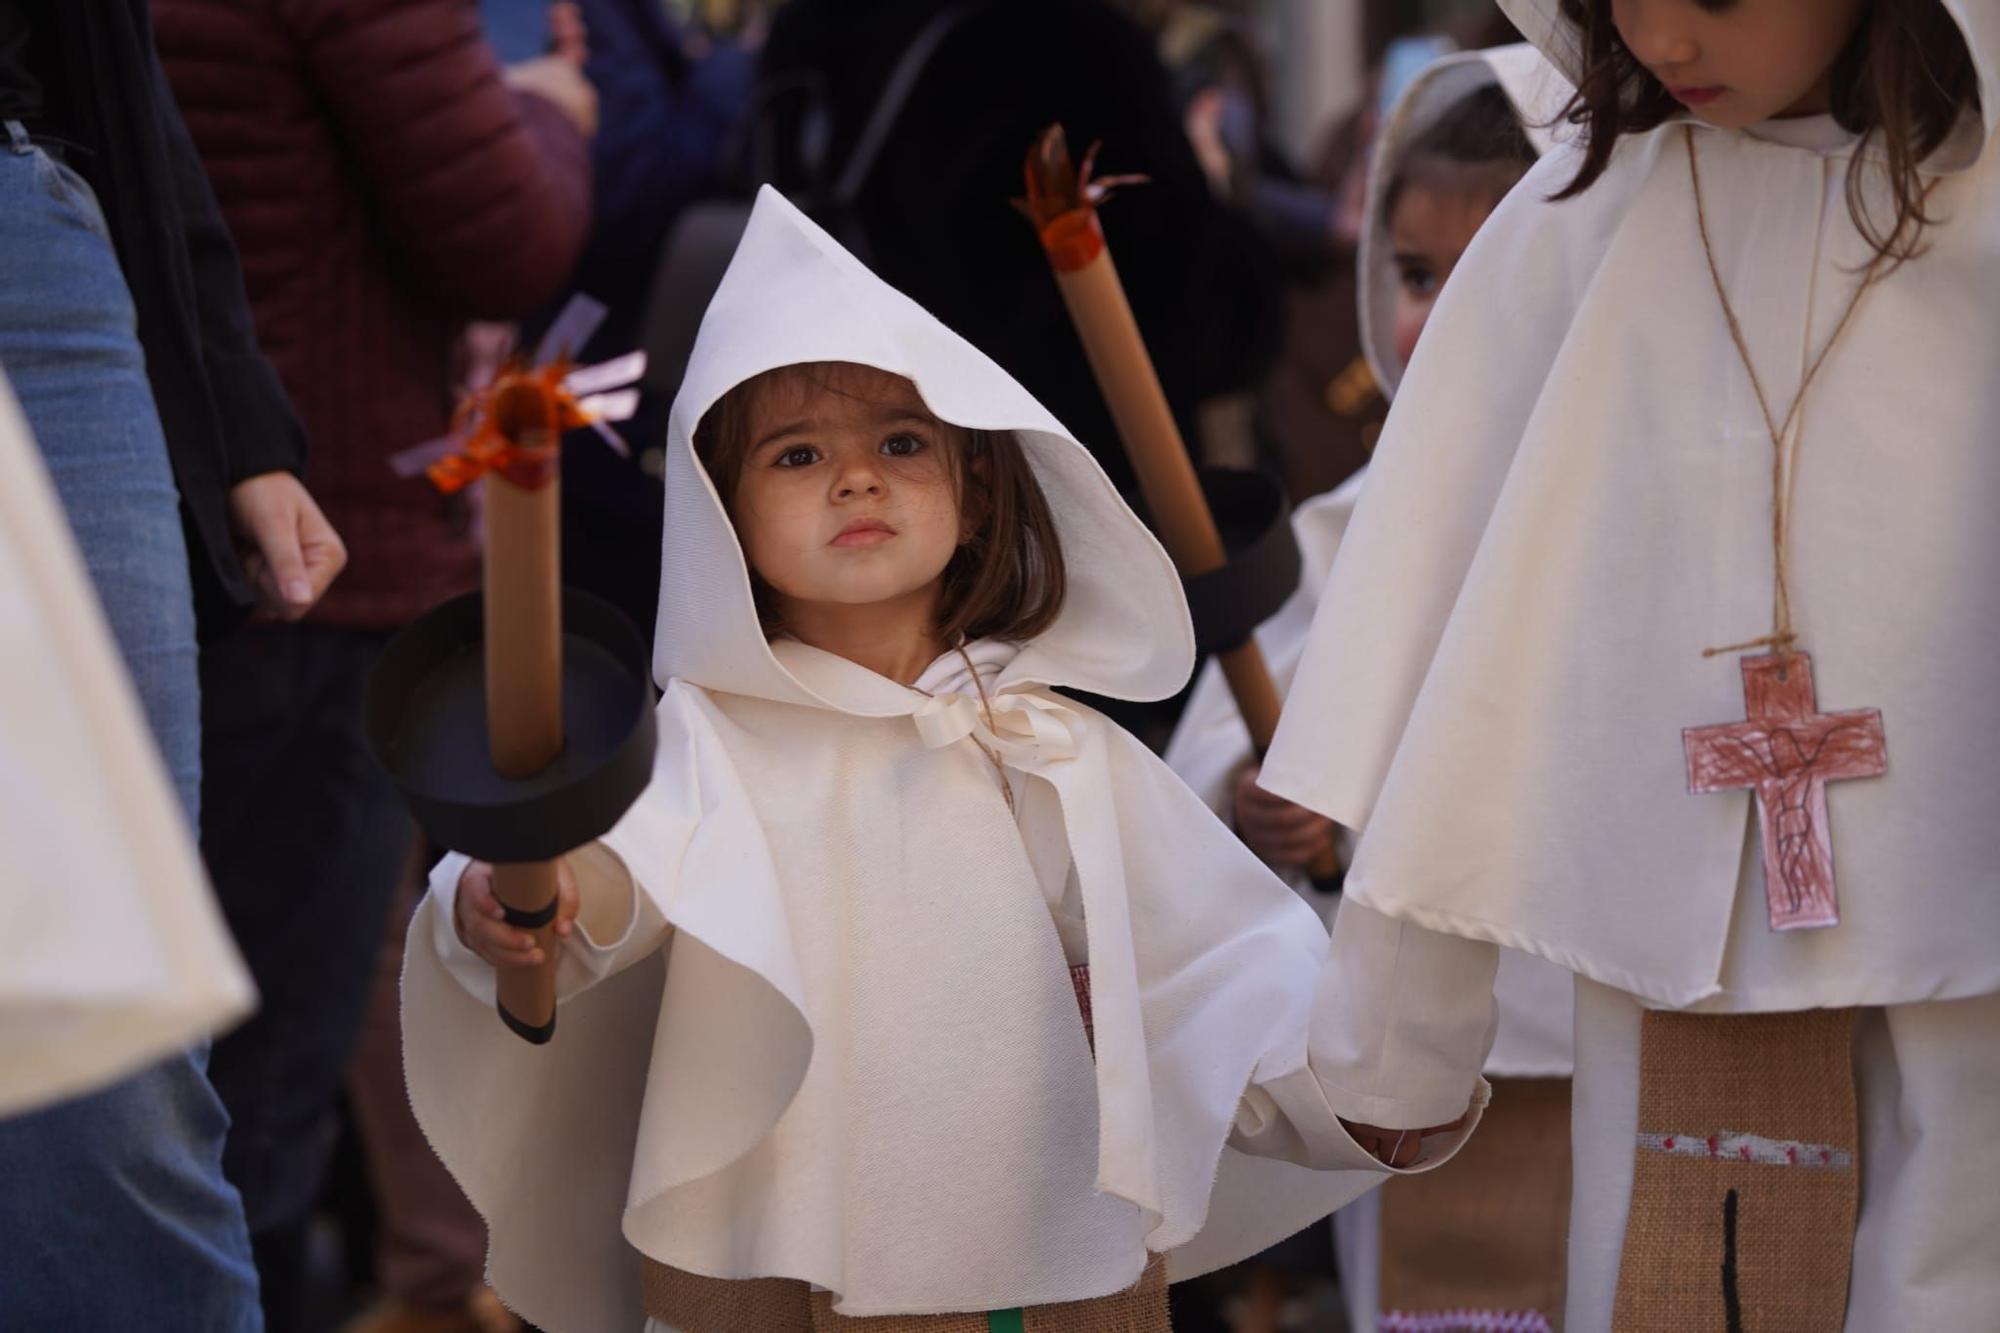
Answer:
(1124, 631)
(1538, 92)
(1542, 23)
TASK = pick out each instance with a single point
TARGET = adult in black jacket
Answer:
(106, 112)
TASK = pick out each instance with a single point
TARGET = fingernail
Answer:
(298, 590)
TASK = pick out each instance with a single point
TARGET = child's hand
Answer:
(1271, 826)
(1398, 1147)
(482, 925)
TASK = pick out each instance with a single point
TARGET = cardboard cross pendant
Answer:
(1787, 751)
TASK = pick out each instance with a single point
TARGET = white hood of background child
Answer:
(1571, 501)
(866, 1069)
(112, 952)
(1211, 745)
(1538, 94)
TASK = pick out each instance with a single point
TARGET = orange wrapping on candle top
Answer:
(520, 405)
(1062, 200)
(1073, 239)
(1062, 204)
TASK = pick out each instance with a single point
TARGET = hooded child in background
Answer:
(1703, 419)
(909, 988)
(1461, 134)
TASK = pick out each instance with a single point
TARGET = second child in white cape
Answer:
(819, 1019)
(1572, 501)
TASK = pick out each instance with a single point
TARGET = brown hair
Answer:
(1905, 76)
(1006, 581)
(1480, 132)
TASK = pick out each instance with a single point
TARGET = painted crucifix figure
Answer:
(1787, 751)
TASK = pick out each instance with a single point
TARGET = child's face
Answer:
(1429, 228)
(847, 494)
(1736, 62)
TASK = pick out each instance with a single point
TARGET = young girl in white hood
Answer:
(1705, 417)
(912, 995)
(1462, 133)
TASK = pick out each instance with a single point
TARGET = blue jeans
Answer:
(114, 1213)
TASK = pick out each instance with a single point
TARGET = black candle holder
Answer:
(426, 716)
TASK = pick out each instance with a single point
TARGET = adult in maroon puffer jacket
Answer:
(386, 181)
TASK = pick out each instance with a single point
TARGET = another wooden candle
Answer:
(1062, 203)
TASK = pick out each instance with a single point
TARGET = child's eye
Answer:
(903, 446)
(1417, 279)
(797, 455)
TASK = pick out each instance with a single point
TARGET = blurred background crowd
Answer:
(312, 223)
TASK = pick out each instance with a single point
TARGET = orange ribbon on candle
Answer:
(519, 419)
(1062, 201)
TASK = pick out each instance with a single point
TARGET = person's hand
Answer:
(482, 924)
(557, 80)
(290, 551)
(1271, 826)
(1398, 1147)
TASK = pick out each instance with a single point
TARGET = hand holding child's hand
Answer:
(1271, 826)
(1398, 1147)
(482, 924)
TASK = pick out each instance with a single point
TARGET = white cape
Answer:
(1210, 744)
(863, 1065)
(1571, 501)
(112, 952)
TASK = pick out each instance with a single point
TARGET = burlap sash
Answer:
(1746, 1181)
(696, 1304)
(1479, 1244)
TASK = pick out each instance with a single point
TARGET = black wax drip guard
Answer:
(426, 717)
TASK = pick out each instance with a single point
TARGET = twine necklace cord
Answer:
(1782, 636)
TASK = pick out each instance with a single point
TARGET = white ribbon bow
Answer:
(1026, 731)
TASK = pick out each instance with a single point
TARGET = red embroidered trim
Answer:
(1465, 1321)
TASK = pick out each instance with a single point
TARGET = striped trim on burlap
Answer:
(1744, 1181)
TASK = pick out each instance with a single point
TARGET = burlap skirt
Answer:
(695, 1304)
(1479, 1244)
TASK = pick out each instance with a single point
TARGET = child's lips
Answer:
(864, 532)
(1690, 95)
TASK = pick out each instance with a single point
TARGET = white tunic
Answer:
(1571, 501)
(112, 952)
(862, 1065)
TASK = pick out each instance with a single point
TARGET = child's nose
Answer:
(1657, 32)
(857, 479)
